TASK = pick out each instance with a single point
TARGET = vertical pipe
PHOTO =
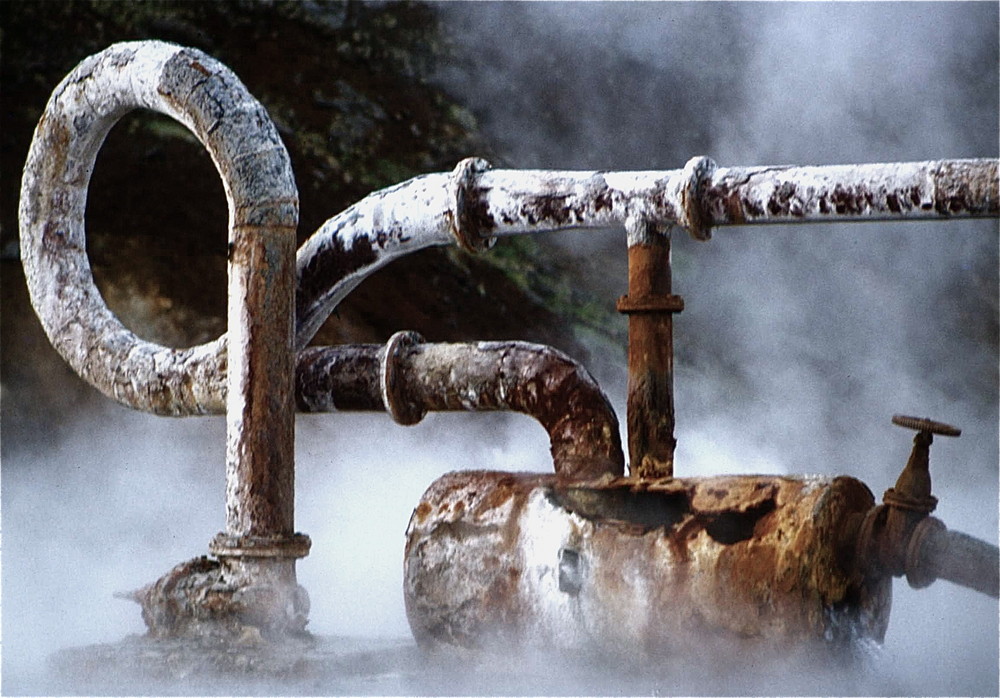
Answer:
(260, 425)
(259, 547)
(650, 306)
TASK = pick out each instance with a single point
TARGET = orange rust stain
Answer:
(498, 494)
(421, 512)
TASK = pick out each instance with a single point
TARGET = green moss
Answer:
(548, 278)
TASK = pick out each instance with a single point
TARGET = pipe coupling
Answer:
(293, 546)
(697, 174)
(920, 571)
(403, 411)
(470, 217)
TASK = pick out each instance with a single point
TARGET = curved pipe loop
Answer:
(208, 99)
(409, 378)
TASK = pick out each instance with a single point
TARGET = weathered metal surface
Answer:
(475, 204)
(533, 379)
(470, 206)
(202, 598)
(755, 562)
(900, 538)
(934, 553)
(251, 372)
(347, 248)
(198, 92)
(650, 306)
(522, 201)
(632, 567)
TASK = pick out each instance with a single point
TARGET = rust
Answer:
(201, 69)
(646, 562)
(470, 217)
(900, 538)
(924, 424)
(532, 379)
(550, 208)
(650, 404)
(695, 208)
(335, 261)
(342, 378)
(397, 403)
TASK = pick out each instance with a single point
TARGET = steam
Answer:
(797, 343)
(796, 346)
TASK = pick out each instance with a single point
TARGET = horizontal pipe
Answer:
(519, 201)
(960, 559)
(474, 205)
(485, 376)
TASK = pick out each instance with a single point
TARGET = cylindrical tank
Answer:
(626, 566)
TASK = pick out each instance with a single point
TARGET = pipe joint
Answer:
(294, 546)
(920, 571)
(403, 411)
(696, 178)
(469, 214)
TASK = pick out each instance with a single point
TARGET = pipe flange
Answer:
(652, 303)
(917, 572)
(293, 546)
(922, 505)
(469, 222)
(697, 175)
(402, 410)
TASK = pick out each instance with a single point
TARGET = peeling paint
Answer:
(633, 566)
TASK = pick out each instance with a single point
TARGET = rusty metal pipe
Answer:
(934, 552)
(473, 205)
(470, 206)
(252, 368)
(637, 568)
(408, 378)
(650, 306)
(701, 196)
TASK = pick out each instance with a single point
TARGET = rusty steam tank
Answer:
(581, 558)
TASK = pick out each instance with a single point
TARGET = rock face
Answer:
(347, 85)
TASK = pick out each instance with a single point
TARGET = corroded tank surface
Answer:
(627, 566)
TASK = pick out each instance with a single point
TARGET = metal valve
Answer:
(901, 538)
(913, 488)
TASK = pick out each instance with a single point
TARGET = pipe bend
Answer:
(206, 97)
(533, 379)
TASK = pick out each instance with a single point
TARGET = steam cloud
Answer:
(796, 346)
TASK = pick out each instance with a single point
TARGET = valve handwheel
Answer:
(928, 425)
